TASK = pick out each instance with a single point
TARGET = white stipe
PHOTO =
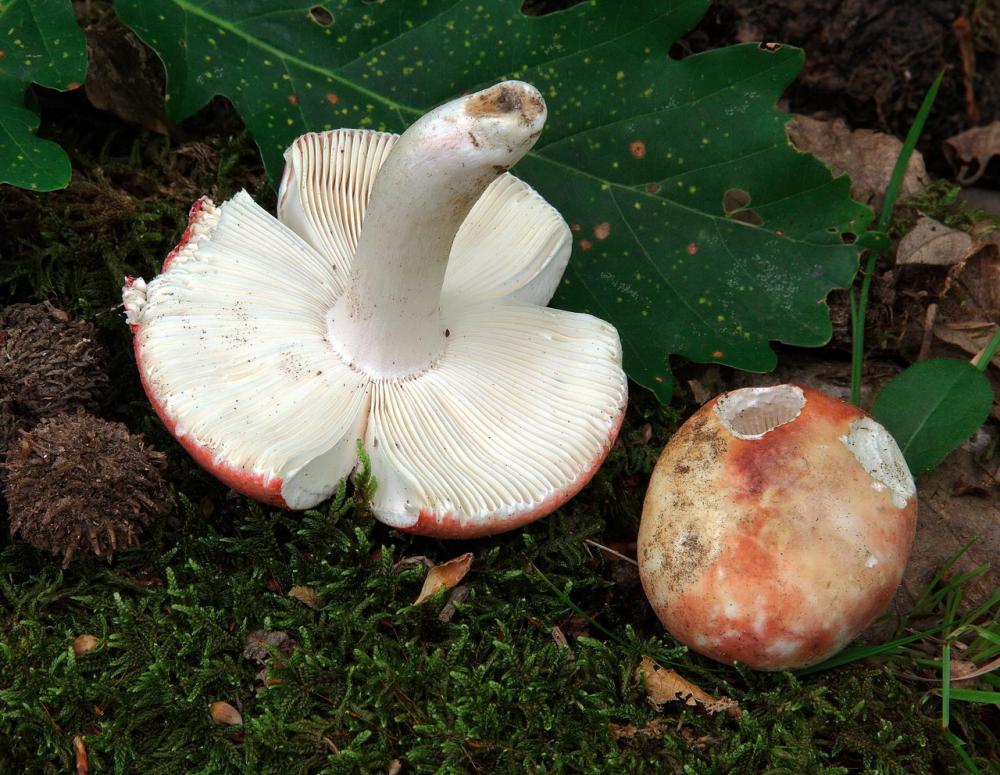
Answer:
(512, 243)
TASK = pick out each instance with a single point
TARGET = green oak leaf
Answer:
(932, 407)
(40, 42)
(699, 230)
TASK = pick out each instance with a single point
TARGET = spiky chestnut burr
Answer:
(77, 486)
(48, 364)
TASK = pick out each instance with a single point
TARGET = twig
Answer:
(925, 345)
(966, 48)
(609, 550)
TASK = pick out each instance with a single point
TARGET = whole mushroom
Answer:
(398, 299)
(776, 527)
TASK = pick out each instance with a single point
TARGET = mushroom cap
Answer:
(776, 527)
(232, 345)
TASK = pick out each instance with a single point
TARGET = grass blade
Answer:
(567, 601)
(983, 359)
(888, 205)
(857, 653)
(959, 746)
(945, 685)
(976, 695)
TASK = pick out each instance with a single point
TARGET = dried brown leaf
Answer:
(867, 156)
(664, 685)
(306, 596)
(971, 340)
(974, 149)
(84, 644)
(80, 758)
(458, 595)
(444, 576)
(257, 642)
(968, 325)
(653, 728)
(931, 243)
(224, 713)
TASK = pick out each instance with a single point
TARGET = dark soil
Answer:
(871, 61)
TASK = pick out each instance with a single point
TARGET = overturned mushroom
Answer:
(397, 299)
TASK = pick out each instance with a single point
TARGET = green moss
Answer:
(940, 200)
(372, 678)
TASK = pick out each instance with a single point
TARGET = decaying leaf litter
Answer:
(209, 591)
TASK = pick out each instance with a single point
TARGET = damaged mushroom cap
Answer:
(397, 300)
(776, 528)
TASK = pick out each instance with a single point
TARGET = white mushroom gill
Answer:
(397, 302)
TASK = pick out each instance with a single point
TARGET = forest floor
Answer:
(529, 664)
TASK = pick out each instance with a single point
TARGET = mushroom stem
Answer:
(388, 323)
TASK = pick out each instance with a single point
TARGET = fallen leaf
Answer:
(968, 325)
(444, 576)
(559, 638)
(974, 148)
(944, 524)
(981, 199)
(971, 340)
(963, 487)
(306, 596)
(962, 670)
(699, 392)
(867, 156)
(224, 713)
(931, 243)
(257, 642)
(653, 728)
(664, 685)
(84, 644)
(124, 77)
(981, 277)
(413, 562)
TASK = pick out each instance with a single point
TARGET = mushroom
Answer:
(397, 299)
(776, 527)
